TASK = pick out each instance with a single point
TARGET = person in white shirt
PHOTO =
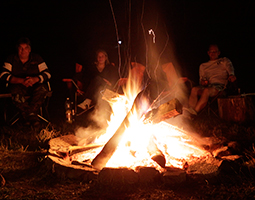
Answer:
(214, 76)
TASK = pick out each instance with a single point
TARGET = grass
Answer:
(23, 167)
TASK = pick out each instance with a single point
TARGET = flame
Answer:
(175, 144)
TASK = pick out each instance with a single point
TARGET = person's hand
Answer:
(107, 82)
(231, 78)
(204, 82)
(30, 81)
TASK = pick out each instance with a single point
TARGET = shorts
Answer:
(217, 86)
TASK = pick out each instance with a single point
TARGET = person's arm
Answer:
(231, 78)
(230, 69)
(44, 72)
(17, 80)
(28, 81)
(203, 80)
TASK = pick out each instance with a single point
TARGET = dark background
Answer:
(65, 32)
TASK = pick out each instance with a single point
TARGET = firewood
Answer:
(155, 153)
(102, 158)
(65, 153)
(109, 148)
(76, 149)
(236, 108)
(165, 111)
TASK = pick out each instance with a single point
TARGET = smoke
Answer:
(150, 42)
(99, 118)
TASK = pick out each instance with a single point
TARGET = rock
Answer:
(117, 176)
(173, 176)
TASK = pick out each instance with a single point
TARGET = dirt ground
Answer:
(25, 174)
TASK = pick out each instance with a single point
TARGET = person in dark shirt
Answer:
(102, 75)
(26, 74)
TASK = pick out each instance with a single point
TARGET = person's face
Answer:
(101, 58)
(24, 51)
(213, 53)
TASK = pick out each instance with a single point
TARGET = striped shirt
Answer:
(35, 66)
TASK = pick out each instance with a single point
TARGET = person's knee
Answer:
(195, 90)
(211, 91)
(206, 91)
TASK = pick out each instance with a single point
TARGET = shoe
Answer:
(85, 104)
(190, 110)
(189, 113)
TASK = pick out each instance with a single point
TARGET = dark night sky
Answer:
(65, 32)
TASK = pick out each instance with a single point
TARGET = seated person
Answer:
(26, 74)
(214, 76)
(102, 75)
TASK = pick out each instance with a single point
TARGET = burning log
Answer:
(155, 153)
(164, 111)
(109, 148)
(71, 151)
(67, 146)
(76, 149)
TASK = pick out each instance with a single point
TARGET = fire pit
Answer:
(69, 160)
(135, 147)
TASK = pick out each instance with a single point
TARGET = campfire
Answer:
(138, 135)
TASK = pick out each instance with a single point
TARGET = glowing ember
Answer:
(140, 142)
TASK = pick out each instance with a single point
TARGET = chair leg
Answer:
(17, 119)
(43, 118)
(210, 110)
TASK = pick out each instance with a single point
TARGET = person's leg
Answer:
(193, 98)
(19, 98)
(207, 92)
(38, 94)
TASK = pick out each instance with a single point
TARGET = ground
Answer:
(25, 174)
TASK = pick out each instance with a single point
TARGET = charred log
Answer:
(155, 153)
(109, 148)
(102, 158)
(146, 96)
(165, 111)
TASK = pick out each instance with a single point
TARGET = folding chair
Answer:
(212, 106)
(43, 110)
(75, 104)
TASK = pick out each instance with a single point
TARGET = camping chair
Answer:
(43, 110)
(212, 106)
(76, 93)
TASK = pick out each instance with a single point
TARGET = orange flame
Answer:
(175, 144)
